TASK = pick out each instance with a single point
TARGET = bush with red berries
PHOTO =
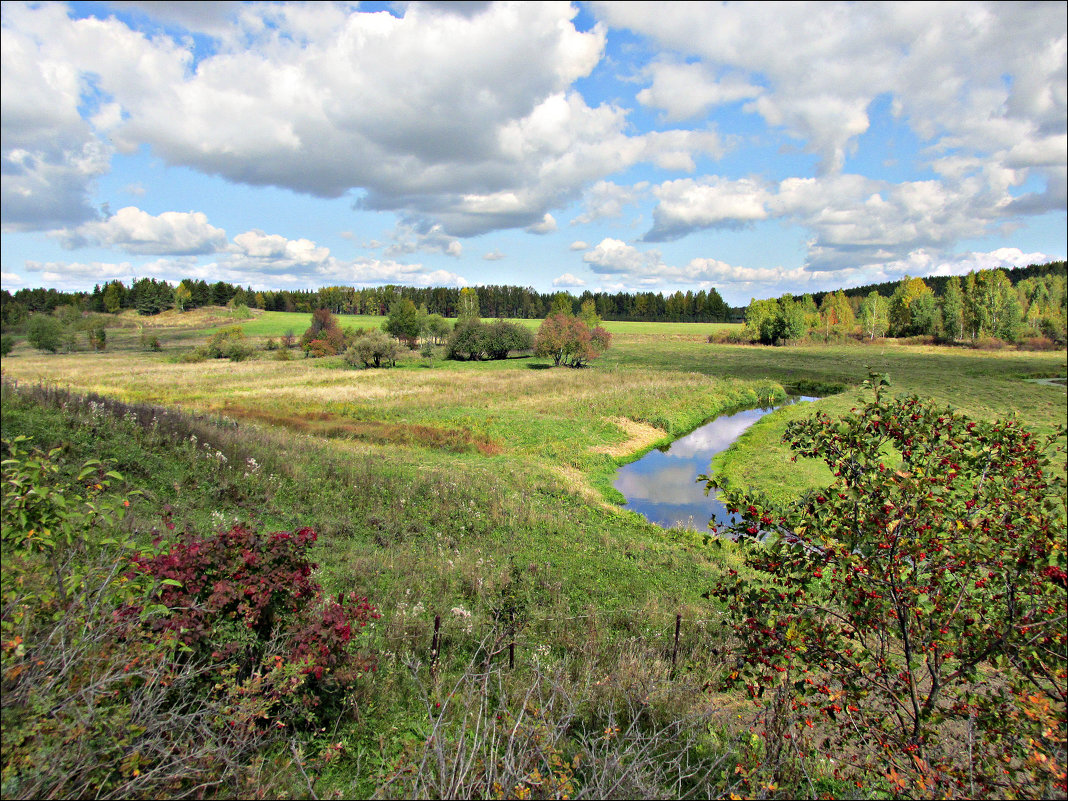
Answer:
(908, 621)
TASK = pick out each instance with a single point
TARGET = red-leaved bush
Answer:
(247, 604)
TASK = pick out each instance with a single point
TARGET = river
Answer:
(662, 485)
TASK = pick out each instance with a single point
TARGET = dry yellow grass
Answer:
(559, 414)
(206, 317)
(640, 436)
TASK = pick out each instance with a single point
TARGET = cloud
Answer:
(633, 269)
(135, 231)
(467, 120)
(374, 272)
(578, 244)
(546, 226)
(76, 275)
(684, 91)
(568, 280)
(49, 157)
(606, 200)
(982, 78)
(412, 109)
(924, 263)
(686, 205)
(271, 253)
(255, 258)
(418, 235)
(493, 255)
(259, 272)
(853, 220)
(212, 17)
(859, 221)
(612, 256)
(49, 186)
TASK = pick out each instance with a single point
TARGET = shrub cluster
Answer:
(228, 343)
(372, 349)
(324, 337)
(475, 340)
(45, 332)
(242, 600)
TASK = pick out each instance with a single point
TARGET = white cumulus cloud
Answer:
(615, 256)
(687, 204)
(135, 231)
(410, 237)
(568, 280)
(606, 200)
(546, 225)
(273, 252)
(684, 91)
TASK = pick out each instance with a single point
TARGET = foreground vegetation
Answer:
(526, 644)
(919, 595)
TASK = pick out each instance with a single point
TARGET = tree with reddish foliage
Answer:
(324, 336)
(909, 620)
(569, 341)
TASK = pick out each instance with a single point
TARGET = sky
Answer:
(754, 148)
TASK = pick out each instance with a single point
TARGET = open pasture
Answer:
(664, 378)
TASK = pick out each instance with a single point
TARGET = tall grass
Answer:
(423, 533)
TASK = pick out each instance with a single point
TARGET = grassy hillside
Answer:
(475, 493)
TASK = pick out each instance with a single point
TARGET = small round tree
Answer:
(45, 332)
(569, 341)
(372, 349)
(909, 620)
(405, 321)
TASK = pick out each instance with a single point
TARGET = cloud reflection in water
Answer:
(663, 486)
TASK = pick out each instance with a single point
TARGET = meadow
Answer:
(446, 489)
(656, 382)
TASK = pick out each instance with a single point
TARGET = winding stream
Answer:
(662, 485)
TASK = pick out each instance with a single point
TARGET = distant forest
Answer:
(937, 283)
(151, 296)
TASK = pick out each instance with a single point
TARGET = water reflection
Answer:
(662, 485)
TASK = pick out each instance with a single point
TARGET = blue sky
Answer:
(757, 148)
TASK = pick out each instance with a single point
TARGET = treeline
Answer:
(938, 283)
(149, 296)
(985, 304)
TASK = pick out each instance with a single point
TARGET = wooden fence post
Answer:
(675, 650)
(434, 645)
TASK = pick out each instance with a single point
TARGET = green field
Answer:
(664, 377)
(275, 324)
(434, 485)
